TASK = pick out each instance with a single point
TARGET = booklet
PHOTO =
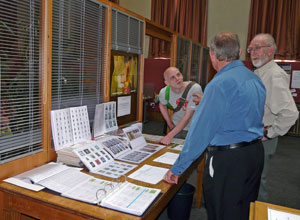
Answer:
(70, 126)
(105, 119)
(98, 157)
(141, 150)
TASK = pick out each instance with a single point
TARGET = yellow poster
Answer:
(124, 77)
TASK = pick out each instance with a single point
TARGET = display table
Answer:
(21, 204)
(259, 210)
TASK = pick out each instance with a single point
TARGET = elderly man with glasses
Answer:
(280, 109)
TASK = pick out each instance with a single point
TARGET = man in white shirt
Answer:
(280, 109)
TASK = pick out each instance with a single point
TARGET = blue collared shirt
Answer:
(230, 111)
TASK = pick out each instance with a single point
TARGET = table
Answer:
(17, 203)
(259, 210)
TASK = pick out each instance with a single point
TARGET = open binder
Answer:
(71, 183)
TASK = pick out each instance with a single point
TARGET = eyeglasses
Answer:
(249, 49)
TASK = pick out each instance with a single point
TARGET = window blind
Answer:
(182, 60)
(195, 63)
(126, 33)
(20, 92)
(78, 47)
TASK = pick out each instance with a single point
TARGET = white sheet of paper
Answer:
(124, 104)
(296, 79)
(149, 174)
(167, 158)
(279, 215)
(23, 184)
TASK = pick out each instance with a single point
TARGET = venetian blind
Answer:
(182, 61)
(195, 63)
(126, 33)
(78, 60)
(20, 92)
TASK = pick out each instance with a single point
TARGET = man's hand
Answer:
(197, 98)
(171, 178)
(166, 140)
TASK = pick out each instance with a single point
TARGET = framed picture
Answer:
(124, 74)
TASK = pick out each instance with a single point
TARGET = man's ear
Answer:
(166, 82)
(271, 51)
(240, 52)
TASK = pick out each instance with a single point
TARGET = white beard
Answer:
(259, 63)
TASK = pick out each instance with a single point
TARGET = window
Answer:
(195, 63)
(20, 90)
(78, 49)
(204, 67)
(183, 54)
(126, 33)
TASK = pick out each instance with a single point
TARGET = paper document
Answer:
(149, 174)
(279, 215)
(124, 104)
(167, 158)
(296, 79)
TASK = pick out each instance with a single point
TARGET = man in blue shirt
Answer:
(228, 122)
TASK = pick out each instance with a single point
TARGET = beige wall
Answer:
(141, 7)
(223, 15)
(229, 15)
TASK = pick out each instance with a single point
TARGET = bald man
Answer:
(181, 119)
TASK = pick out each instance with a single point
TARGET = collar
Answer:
(263, 69)
(229, 66)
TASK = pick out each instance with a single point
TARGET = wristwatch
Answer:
(266, 134)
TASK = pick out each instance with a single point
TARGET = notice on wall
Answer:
(296, 79)
(124, 104)
(279, 215)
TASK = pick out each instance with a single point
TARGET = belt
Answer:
(231, 146)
